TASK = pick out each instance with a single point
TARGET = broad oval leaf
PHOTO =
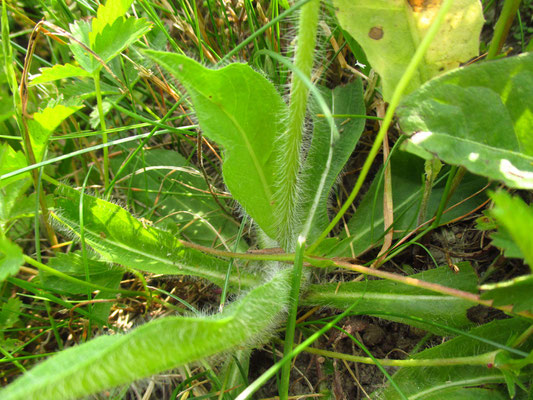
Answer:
(479, 117)
(386, 296)
(154, 347)
(121, 238)
(390, 30)
(241, 110)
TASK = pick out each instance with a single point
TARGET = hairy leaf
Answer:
(380, 295)
(154, 347)
(121, 238)
(468, 118)
(437, 382)
(342, 100)
(390, 30)
(241, 110)
(179, 194)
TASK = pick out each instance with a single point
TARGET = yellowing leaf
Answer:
(390, 30)
(107, 14)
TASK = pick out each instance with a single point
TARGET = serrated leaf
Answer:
(180, 192)
(381, 295)
(516, 217)
(57, 72)
(109, 13)
(10, 258)
(116, 37)
(390, 30)
(44, 123)
(437, 382)
(341, 100)
(119, 237)
(241, 110)
(106, 38)
(152, 348)
(468, 118)
(515, 292)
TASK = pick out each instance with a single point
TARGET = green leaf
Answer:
(9, 315)
(10, 258)
(342, 100)
(376, 296)
(366, 225)
(119, 237)
(109, 13)
(516, 217)
(469, 118)
(116, 37)
(107, 35)
(154, 347)
(11, 160)
(44, 123)
(390, 30)
(515, 292)
(100, 273)
(59, 71)
(176, 190)
(239, 109)
(13, 202)
(437, 382)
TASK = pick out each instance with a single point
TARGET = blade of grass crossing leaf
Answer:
(395, 100)
(230, 264)
(113, 360)
(120, 238)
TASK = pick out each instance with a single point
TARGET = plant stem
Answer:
(103, 128)
(481, 359)
(395, 101)
(255, 385)
(501, 29)
(290, 160)
(59, 274)
(291, 320)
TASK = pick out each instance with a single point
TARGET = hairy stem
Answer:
(289, 163)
